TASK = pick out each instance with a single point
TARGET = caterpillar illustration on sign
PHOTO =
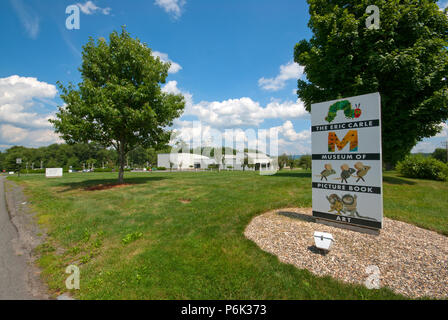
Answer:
(345, 106)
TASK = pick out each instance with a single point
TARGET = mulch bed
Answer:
(411, 261)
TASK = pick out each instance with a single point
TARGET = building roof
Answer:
(254, 155)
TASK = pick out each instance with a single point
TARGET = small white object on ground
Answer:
(53, 172)
(323, 240)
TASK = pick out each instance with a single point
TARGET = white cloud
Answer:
(171, 87)
(12, 135)
(19, 124)
(444, 132)
(287, 130)
(90, 8)
(173, 7)
(174, 68)
(274, 141)
(288, 71)
(292, 142)
(29, 18)
(240, 112)
(244, 112)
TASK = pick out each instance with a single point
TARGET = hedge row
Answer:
(420, 167)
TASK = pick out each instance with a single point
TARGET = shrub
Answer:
(102, 170)
(30, 171)
(161, 168)
(420, 167)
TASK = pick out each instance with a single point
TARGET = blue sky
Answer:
(233, 61)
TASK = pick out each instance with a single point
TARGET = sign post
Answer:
(346, 161)
(19, 165)
(53, 172)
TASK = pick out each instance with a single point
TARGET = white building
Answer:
(183, 161)
(260, 160)
(233, 162)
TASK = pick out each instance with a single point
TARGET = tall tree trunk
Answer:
(389, 166)
(122, 158)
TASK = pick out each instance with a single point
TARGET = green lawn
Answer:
(180, 235)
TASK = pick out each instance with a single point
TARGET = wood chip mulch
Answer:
(411, 261)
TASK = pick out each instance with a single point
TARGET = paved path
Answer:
(13, 268)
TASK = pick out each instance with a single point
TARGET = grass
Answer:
(180, 235)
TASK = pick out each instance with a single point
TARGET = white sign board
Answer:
(53, 172)
(347, 168)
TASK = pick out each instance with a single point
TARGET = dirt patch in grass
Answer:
(106, 186)
(185, 200)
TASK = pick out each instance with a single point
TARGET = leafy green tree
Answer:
(245, 162)
(52, 163)
(73, 162)
(151, 156)
(2, 161)
(283, 161)
(91, 163)
(291, 162)
(440, 154)
(406, 60)
(107, 157)
(305, 162)
(138, 155)
(119, 102)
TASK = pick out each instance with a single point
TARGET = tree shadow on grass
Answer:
(396, 180)
(103, 184)
(292, 174)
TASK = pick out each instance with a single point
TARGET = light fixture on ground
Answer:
(323, 241)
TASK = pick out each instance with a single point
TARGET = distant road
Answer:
(13, 268)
